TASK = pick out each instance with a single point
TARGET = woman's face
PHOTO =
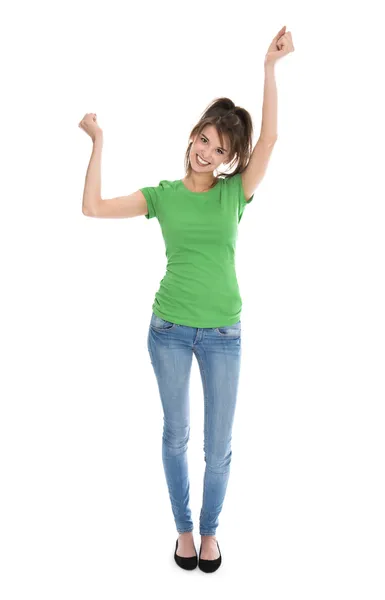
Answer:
(208, 146)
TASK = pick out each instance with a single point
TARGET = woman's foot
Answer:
(186, 547)
(209, 548)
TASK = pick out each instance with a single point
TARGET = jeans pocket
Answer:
(233, 331)
(160, 324)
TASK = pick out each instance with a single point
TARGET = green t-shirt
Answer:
(200, 230)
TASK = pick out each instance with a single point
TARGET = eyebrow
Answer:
(204, 135)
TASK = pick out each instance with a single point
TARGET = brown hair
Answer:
(233, 121)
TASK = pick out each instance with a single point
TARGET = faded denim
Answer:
(218, 352)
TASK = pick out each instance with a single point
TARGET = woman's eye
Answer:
(218, 148)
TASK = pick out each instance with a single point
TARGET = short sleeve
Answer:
(237, 190)
(153, 197)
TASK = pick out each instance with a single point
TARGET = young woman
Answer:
(197, 308)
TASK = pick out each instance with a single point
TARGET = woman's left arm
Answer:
(253, 174)
(269, 110)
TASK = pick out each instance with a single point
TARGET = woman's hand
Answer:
(281, 45)
(90, 125)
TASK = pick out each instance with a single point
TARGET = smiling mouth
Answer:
(201, 164)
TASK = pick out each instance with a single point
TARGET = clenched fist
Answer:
(90, 125)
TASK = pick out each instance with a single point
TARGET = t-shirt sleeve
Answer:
(153, 197)
(237, 190)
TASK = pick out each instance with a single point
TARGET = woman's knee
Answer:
(176, 436)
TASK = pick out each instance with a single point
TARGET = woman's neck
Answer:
(195, 184)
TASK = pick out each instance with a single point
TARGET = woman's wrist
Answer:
(98, 137)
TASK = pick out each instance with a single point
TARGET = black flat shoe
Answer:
(188, 563)
(209, 566)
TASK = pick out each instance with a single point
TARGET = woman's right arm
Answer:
(133, 205)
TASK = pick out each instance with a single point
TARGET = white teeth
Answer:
(201, 161)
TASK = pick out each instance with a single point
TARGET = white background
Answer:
(84, 508)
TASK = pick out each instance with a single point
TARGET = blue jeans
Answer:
(218, 352)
